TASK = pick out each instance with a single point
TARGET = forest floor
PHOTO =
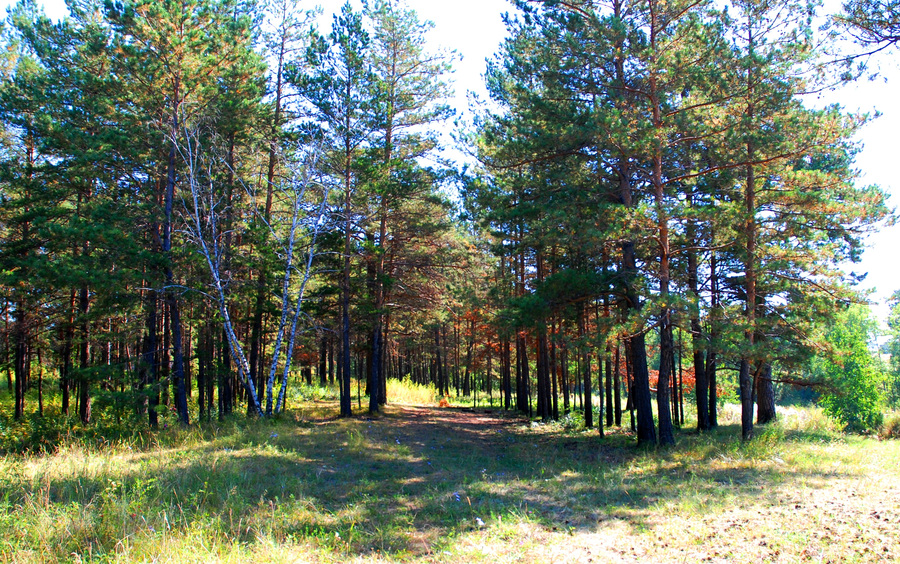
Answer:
(429, 484)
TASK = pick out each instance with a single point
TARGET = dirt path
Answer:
(483, 428)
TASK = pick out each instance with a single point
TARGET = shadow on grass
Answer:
(403, 483)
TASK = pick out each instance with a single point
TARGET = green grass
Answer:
(449, 485)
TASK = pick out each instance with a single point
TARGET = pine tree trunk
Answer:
(84, 399)
(506, 370)
(565, 376)
(346, 402)
(171, 298)
(554, 373)
(609, 387)
(585, 368)
(765, 396)
(65, 370)
(6, 349)
(745, 381)
(617, 385)
(745, 376)
(202, 371)
(20, 331)
(150, 365)
(437, 363)
(323, 361)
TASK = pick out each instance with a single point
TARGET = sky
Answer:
(474, 29)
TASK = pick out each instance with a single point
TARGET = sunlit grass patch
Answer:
(448, 485)
(409, 393)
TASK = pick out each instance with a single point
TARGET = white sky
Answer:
(474, 29)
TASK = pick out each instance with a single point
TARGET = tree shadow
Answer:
(403, 483)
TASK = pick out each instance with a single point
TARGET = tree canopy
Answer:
(205, 201)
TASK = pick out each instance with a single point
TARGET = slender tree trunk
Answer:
(617, 385)
(40, 383)
(21, 344)
(745, 376)
(565, 375)
(346, 402)
(609, 387)
(150, 365)
(171, 298)
(437, 363)
(226, 383)
(84, 399)
(585, 368)
(697, 340)
(468, 387)
(65, 376)
(323, 361)
(666, 341)
(203, 370)
(639, 393)
(711, 358)
(6, 348)
(640, 376)
(506, 370)
(554, 372)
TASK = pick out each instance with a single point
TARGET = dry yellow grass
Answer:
(424, 484)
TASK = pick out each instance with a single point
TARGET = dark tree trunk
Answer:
(565, 376)
(171, 298)
(711, 358)
(640, 381)
(442, 389)
(203, 371)
(585, 369)
(188, 352)
(226, 387)
(554, 374)
(467, 384)
(20, 356)
(65, 372)
(641, 389)
(323, 361)
(765, 396)
(6, 349)
(522, 375)
(609, 387)
(40, 383)
(745, 380)
(84, 399)
(543, 376)
(150, 364)
(178, 382)
(331, 360)
(617, 385)
(506, 370)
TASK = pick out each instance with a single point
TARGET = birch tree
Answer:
(294, 231)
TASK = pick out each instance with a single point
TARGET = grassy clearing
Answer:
(423, 484)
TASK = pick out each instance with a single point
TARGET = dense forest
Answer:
(206, 203)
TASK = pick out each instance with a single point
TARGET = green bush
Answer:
(854, 382)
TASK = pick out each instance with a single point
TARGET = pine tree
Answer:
(409, 91)
(339, 88)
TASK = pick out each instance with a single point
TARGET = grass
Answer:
(423, 484)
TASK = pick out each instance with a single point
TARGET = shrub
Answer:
(854, 395)
(891, 427)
